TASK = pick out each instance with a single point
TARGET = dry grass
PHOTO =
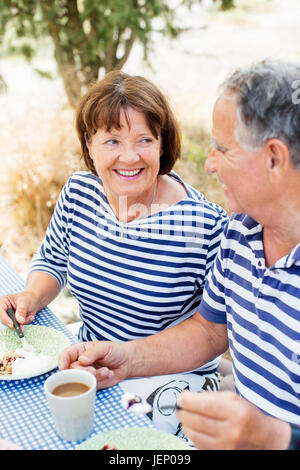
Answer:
(196, 146)
(37, 158)
(38, 152)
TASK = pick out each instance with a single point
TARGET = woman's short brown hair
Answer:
(101, 107)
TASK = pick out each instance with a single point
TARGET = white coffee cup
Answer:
(73, 416)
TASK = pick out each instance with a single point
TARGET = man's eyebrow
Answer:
(215, 145)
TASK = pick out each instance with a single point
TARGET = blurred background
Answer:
(51, 50)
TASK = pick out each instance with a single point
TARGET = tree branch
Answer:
(111, 52)
(128, 46)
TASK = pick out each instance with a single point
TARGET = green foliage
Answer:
(89, 36)
(44, 73)
(227, 4)
(191, 167)
(192, 150)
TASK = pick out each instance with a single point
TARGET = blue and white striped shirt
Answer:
(262, 309)
(135, 279)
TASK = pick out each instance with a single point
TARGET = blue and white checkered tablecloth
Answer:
(25, 418)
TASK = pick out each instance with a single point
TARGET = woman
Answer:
(133, 241)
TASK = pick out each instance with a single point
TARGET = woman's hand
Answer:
(24, 305)
(223, 420)
(41, 289)
(106, 360)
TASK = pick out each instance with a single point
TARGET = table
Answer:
(25, 418)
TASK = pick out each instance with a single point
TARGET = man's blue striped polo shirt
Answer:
(261, 307)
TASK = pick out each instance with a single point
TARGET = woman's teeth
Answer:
(129, 172)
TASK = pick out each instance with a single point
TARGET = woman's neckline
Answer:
(161, 207)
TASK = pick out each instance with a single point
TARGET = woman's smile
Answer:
(129, 174)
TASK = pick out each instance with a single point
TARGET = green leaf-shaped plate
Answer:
(135, 439)
(47, 341)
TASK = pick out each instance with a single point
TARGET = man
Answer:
(251, 298)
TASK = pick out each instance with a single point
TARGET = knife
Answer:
(25, 344)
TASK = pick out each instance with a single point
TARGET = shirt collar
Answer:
(254, 238)
(293, 257)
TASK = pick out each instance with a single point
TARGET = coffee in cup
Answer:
(70, 389)
(71, 397)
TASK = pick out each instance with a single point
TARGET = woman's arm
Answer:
(40, 290)
(43, 287)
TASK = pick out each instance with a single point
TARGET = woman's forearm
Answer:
(43, 287)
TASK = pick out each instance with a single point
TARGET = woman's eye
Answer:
(111, 142)
(146, 140)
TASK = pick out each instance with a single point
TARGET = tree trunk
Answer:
(73, 72)
(3, 85)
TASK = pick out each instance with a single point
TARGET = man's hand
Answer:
(108, 361)
(223, 420)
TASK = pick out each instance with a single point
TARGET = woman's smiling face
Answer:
(127, 159)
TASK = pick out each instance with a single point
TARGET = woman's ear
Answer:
(88, 143)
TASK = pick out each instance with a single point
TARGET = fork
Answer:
(26, 346)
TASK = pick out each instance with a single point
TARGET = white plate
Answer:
(47, 341)
(135, 439)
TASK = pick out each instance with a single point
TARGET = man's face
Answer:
(242, 173)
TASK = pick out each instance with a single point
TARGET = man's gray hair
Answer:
(267, 106)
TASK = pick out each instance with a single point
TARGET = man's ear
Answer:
(277, 158)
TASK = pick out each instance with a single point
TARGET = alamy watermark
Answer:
(182, 223)
(296, 352)
(296, 93)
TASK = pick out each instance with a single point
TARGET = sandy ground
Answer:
(189, 69)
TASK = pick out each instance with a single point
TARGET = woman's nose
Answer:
(128, 154)
(211, 162)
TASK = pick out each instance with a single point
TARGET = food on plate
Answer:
(6, 363)
(135, 403)
(109, 446)
(21, 363)
(47, 343)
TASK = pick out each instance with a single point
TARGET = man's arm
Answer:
(183, 347)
